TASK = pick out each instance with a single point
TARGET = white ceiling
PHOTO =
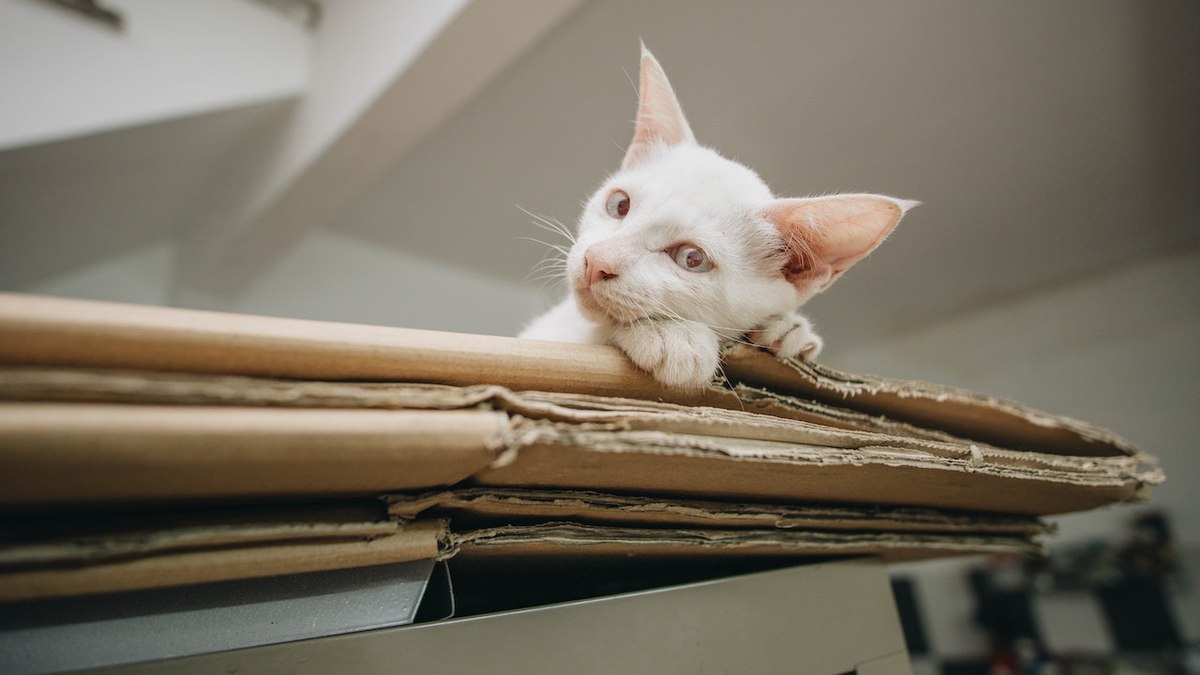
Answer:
(1047, 140)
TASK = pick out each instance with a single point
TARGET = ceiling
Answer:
(1048, 141)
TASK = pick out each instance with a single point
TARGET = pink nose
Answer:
(596, 267)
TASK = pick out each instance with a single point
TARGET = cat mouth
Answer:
(603, 308)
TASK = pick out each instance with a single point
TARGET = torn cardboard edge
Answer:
(73, 453)
(572, 539)
(19, 384)
(79, 452)
(957, 411)
(149, 387)
(158, 567)
(587, 507)
(46, 331)
(609, 459)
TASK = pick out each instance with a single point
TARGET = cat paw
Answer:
(679, 354)
(789, 336)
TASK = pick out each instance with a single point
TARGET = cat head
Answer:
(680, 232)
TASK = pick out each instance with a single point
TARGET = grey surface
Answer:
(820, 619)
(133, 627)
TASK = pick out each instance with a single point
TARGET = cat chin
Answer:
(590, 308)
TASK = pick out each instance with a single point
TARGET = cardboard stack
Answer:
(144, 447)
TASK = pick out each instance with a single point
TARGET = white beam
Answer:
(413, 64)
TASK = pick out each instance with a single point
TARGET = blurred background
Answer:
(370, 160)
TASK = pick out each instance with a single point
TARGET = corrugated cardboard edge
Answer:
(139, 387)
(150, 387)
(608, 459)
(90, 549)
(960, 412)
(582, 506)
(570, 539)
(415, 541)
(46, 331)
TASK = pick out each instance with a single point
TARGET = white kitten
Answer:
(681, 249)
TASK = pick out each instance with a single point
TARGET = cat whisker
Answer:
(550, 225)
(557, 247)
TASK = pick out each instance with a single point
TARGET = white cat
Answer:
(682, 249)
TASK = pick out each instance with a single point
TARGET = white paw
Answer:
(789, 336)
(679, 354)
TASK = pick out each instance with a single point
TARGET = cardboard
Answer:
(957, 411)
(595, 541)
(440, 435)
(59, 454)
(96, 452)
(45, 331)
(579, 506)
(66, 568)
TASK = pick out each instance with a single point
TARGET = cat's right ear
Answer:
(824, 236)
(660, 120)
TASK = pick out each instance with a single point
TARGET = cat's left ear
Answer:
(824, 236)
(660, 120)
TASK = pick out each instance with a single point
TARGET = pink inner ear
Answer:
(827, 235)
(660, 118)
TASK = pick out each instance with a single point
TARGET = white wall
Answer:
(1121, 350)
(141, 275)
(63, 75)
(338, 277)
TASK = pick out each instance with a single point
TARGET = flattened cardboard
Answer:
(607, 458)
(580, 506)
(91, 452)
(958, 411)
(572, 539)
(58, 454)
(177, 567)
(46, 331)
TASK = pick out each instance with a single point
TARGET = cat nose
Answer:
(596, 268)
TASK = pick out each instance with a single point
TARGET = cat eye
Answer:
(691, 258)
(618, 204)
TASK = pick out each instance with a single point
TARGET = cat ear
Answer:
(824, 236)
(659, 117)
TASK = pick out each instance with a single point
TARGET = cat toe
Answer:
(799, 344)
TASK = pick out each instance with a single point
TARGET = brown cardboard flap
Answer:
(67, 453)
(158, 569)
(125, 386)
(48, 331)
(581, 506)
(957, 411)
(91, 452)
(113, 543)
(609, 458)
(572, 539)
